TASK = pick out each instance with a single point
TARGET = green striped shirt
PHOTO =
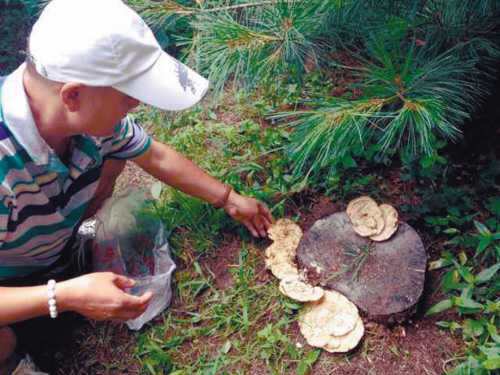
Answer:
(42, 199)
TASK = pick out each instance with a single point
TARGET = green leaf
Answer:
(493, 306)
(427, 162)
(490, 351)
(451, 280)
(483, 244)
(462, 257)
(440, 263)
(292, 305)
(284, 133)
(445, 260)
(472, 328)
(482, 229)
(492, 363)
(493, 331)
(306, 364)
(444, 324)
(453, 326)
(441, 160)
(495, 205)
(487, 274)
(466, 292)
(468, 302)
(431, 220)
(440, 306)
(348, 162)
(465, 273)
(299, 186)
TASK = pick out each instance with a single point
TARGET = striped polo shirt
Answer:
(41, 198)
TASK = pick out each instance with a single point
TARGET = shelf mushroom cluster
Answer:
(280, 259)
(368, 219)
(333, 323)
(328, 320)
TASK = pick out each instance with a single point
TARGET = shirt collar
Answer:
(19, 119)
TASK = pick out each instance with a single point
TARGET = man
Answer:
(64, 138)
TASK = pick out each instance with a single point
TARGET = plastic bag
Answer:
(131, 241)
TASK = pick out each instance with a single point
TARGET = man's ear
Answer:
(71, 95)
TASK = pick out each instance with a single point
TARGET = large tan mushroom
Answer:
(368, 219)
(333, 323)
(298, 290)
(280, 256)
(284, 228)
(282, 270)
(365, 216)
(391, 223)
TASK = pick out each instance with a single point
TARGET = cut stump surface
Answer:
(381, 278)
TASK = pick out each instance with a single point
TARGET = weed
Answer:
(472, 285)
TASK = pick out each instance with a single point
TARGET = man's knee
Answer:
(8, 343)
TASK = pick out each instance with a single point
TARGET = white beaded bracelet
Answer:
(51, 296)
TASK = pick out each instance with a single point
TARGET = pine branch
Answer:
(175, 8)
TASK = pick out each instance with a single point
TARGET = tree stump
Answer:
(384, 279)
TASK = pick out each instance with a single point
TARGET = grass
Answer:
(248, 324)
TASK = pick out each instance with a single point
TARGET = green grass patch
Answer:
(226, 331)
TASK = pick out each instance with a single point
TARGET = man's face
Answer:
(102, 110)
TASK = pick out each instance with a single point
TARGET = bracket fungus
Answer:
(368, 219)
(390, 216)
(333, 323)
(300, 291)
(280, 256)
(329, 320)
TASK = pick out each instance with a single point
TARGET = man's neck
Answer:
(45, 114)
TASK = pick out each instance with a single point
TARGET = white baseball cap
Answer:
(106, 43)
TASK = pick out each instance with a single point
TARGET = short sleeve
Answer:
(130, 140)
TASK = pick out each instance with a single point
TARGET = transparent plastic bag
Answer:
(132, 241)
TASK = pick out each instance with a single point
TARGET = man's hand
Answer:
(251, 212)
(172, 168)
(102, 296)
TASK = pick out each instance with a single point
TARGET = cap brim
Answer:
(168, 85)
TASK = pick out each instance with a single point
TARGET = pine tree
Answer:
(423, 65)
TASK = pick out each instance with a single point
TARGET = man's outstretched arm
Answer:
(174, 169)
